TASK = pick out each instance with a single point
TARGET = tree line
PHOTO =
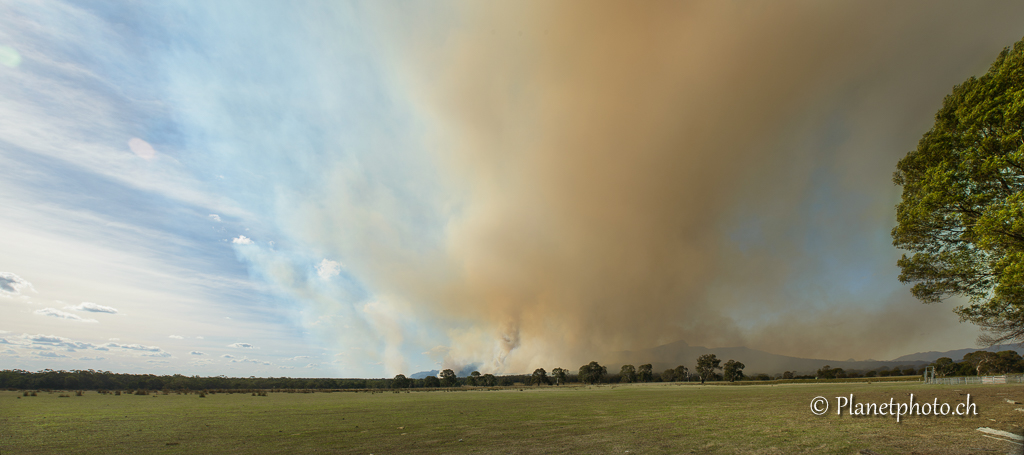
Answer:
(708, 368)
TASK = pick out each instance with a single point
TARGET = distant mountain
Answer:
(755, 361)
(424, 374)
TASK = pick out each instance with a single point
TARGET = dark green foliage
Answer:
(431, 381)
(448, 379)
(962, 211)
(682, 374)
(706, 366)
(400, 382)
(733, 370)
(980, 363)
(539, 377)
(627, 373)
(560, 375)
(592, 372)
(645, 373)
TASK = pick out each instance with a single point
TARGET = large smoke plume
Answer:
(622, 175)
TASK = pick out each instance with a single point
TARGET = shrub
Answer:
(78, 393)
(117, 392)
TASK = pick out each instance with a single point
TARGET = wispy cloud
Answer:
(176, 337)
(197, 353)
(242, 346)
(245, 359)
(93, 308)
(141, 148)
(11, 285)
(328, 268)
(242, 240)
(62, 315)
(215, 217)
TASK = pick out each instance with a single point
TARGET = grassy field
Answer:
(635, 419)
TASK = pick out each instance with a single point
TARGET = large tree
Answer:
(448, 378)
(706, 366)
(401, 382)
(682, 374)
(733, 370)
(592, 372)
(561, 375)
(539, 376)
(628, 373)
(645, 373)
(962, 212)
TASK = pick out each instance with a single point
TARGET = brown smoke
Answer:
(608, 152)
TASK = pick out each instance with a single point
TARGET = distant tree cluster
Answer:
(980, 363)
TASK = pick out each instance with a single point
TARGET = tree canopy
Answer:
(962, 210)
(592, 372)
(733, 370)
(706, 366)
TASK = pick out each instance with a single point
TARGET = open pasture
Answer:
(612, 419)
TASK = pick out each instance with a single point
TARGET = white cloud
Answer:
(215, 217)
(285, 368)
(11, 285)
(248, 360)
(93, 308)
(113, 339)
(242, 346)
(177, 337)
(328, 268)
(227, 356)
(298, 357)
(312, 365)
(61, 314)
(148, 351)
(242, 240)
(141, 148)
(92, 358)
(197, 353)
(199, 337)
(51, 354)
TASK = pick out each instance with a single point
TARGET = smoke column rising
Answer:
(616, 176)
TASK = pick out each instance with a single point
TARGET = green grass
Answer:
(653, 418)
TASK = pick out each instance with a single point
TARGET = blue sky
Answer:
(363, 189)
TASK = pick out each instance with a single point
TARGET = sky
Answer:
(362, 189)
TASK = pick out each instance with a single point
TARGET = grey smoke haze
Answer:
(717, 172)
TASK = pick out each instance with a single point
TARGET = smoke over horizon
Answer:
(633, 175)
(576, 179)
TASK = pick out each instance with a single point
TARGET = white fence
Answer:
(1006, 379)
